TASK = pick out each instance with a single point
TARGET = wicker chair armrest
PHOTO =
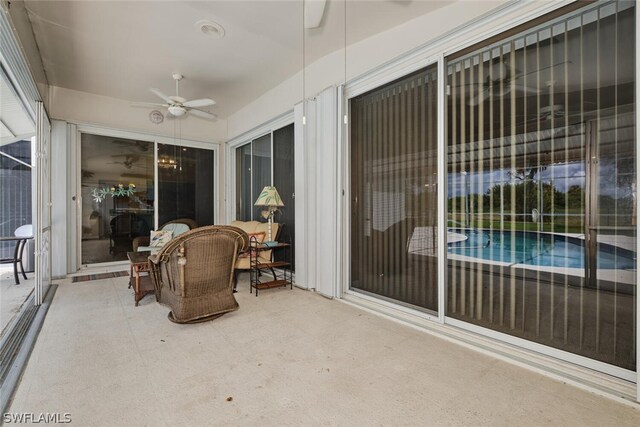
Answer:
(155, 258)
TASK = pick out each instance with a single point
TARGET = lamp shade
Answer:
(269, 197)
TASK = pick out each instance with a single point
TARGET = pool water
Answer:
(524, 247)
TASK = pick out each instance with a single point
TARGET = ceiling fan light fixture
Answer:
(177, 110)
(210, 28)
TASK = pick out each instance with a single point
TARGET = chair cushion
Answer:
(260, 236)
(152, 249)
(160, 238)
(256, 227)
(246, 226)
(24, 231)
(176, 227)
(264, 227)
(251, 227)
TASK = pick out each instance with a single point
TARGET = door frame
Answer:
(42, 227)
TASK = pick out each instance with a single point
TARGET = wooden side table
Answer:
(286, 275)
(141, 284)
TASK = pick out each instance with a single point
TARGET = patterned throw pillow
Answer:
(160, 238)
(259, 237)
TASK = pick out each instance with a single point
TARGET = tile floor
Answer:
(288, 357)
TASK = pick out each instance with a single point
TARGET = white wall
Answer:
(87, 108)
(362, 57)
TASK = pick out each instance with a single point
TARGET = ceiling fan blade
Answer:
(537, 70)
(526, 89)
(148, 105)
(204, 102)
(202, 114)
(159, 93)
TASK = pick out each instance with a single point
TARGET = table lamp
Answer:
(270, 199)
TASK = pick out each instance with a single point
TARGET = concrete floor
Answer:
(285, 358)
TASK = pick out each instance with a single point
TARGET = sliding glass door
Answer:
(253, 173)
(394, 191)
(119, 185)
(117, 188)
(18, 204)
(542, 184)
(185, 184)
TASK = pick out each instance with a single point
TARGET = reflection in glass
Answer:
(283, 180)
(261, 170)
(253, 173)
(16, 211)
(185, 184)
(110, 223)
(393, 190)
(542, 185)
(243, 183)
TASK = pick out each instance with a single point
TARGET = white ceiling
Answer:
(120, 49)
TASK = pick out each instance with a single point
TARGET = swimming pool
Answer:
(541, 249)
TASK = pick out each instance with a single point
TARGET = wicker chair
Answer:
(193, 273)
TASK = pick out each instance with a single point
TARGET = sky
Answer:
(563, 176)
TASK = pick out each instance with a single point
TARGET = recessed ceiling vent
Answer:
(210, 28)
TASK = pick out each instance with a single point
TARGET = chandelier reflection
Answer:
(167, 163)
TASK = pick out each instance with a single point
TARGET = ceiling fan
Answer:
(501, 78)
(498, 83)
(129, 161)
(178, 106)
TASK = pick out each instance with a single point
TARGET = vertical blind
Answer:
(542, 184)
(393, 190)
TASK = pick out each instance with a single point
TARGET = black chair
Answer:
(120, 235)
(22, 235)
